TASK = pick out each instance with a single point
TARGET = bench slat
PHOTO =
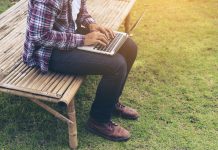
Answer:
(28, 95)
(50, 85)
(110, 13)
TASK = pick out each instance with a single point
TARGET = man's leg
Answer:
(113, 69)
(129, 52)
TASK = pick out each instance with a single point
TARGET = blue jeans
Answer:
(114, 71)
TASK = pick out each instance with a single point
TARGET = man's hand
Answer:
(95, 38)
(106, 31)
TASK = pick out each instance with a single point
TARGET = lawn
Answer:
(173, 84)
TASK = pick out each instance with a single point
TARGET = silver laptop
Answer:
(110, 49)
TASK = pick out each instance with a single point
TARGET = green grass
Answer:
(4, 4)
(173, 84)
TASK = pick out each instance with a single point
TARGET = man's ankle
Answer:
(125, 111)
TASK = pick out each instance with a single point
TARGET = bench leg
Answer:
(71, 121)
(72, 126)
(127, 23)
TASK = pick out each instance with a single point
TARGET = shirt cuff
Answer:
(80, 40)
(88, 21)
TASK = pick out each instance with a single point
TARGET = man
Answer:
(54, 30)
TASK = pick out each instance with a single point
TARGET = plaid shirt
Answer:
(50, 25)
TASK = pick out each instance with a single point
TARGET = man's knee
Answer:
(132, 47)
(120, 65)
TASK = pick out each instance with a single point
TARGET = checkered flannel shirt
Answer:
(50, 25)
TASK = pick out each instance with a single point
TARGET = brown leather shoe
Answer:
(108, 130)
(125, 112)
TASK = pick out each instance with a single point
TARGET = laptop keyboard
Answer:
(108, 47)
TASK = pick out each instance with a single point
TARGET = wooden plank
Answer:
(55, 84)
(31, 91)
(28, 95)
(18, 80)
(28, 80)
(61, 84)
(14, 75)
(65, 86)
(50, 83)
(71, 91)
(44, 82)
(41, 80)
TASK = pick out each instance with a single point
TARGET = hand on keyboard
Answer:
(107, 31)
(96, 38)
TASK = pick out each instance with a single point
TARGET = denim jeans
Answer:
(114, 71)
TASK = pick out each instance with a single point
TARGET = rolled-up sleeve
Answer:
(41, 29)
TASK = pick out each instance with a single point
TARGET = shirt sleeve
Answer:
(41, 29)
(84, 17)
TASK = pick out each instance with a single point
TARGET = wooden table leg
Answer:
(72, 126)
(127, 23)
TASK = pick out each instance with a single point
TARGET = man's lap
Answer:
(83, 63)
(86, 63)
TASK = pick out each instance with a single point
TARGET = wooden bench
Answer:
(18, 79)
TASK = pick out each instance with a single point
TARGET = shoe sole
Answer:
(106, 137)
(125, 117)
(130, 118)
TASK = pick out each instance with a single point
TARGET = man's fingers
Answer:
(96, 37)
(99, 34)
(100, 42)
(112, 35)
(105, 31)
(103, 38)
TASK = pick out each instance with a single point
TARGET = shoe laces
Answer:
(120, 105)
(111, 124)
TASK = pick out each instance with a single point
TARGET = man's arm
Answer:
(84, 17)
(86, 20)
(41, 28)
